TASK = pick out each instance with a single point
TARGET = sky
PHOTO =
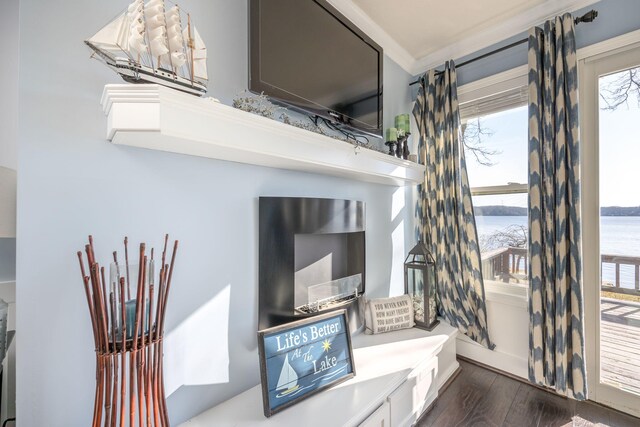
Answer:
(619, 155)
(508, 138)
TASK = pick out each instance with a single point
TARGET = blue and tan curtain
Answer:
(444, 211)
(556, 333)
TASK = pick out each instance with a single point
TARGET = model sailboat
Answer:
(149, 43)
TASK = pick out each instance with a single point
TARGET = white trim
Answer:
(501, 82)
(609, 45)
(507, 293)
(496, 34)
(590, 221)
(363, 21)
(497, 359)
(597, 63)
(513, 188)
(505, 356)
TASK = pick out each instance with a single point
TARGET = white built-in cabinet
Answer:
(398, 375)
(381, 417)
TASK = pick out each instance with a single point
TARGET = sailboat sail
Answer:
(174, 34)
(199, 57)
(135, 13)
(113, 35)
(198, 53)
(157, 28)
(288, 378)
(147, 43)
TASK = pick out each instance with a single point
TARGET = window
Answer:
(495, 135)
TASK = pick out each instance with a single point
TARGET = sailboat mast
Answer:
(166, 36)
(190, 44)
(147, 39)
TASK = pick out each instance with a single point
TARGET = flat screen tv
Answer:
(306, 55)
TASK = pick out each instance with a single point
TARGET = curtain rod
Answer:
(587, 17)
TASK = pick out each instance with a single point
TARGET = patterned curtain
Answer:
(444, 209)
(556, 334)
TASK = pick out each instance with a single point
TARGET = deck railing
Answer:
(510, 265)
(617, 261)
(507, 265)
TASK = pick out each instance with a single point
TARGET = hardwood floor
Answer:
(480, 397)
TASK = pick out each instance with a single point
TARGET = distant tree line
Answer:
(620, 211)
(498, 210)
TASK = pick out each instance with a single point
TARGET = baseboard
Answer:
(501, 372)
(448, 382)
(496, 359)
(447, 377)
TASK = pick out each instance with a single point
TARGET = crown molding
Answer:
(488, 37)
(480, 40)
(363, 21)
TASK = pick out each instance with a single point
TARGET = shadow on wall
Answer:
(197, 350)
(398, 210)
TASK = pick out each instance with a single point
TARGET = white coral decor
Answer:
(418, 308)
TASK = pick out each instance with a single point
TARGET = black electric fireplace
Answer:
(311, 259)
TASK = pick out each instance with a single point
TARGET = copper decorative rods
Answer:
(127, 319)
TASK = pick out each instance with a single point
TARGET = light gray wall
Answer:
(9, 30)
(9, 84)
(7, 260)
(72, 183)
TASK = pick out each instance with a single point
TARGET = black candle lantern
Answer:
(420, 283)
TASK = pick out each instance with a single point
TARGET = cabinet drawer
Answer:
(380, 417)
(416, 393)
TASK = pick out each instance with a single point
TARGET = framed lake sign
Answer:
(302, 358)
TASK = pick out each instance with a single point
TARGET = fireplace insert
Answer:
(311, 259)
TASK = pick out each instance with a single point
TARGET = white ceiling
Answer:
(421, 34)
(422, 26)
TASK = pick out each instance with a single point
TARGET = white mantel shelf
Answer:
(159, 118)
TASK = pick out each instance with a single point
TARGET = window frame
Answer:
(493, 86)
(594, 61)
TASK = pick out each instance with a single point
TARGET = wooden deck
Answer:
(620, 344)
(620, 319)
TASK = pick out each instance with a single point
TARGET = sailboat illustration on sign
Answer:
(288, 381)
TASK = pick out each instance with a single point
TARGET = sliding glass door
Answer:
(610, 103)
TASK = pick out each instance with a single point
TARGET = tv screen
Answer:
(305, 54)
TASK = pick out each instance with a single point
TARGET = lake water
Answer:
(620, 235)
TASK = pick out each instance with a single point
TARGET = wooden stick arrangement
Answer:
(128, 350)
